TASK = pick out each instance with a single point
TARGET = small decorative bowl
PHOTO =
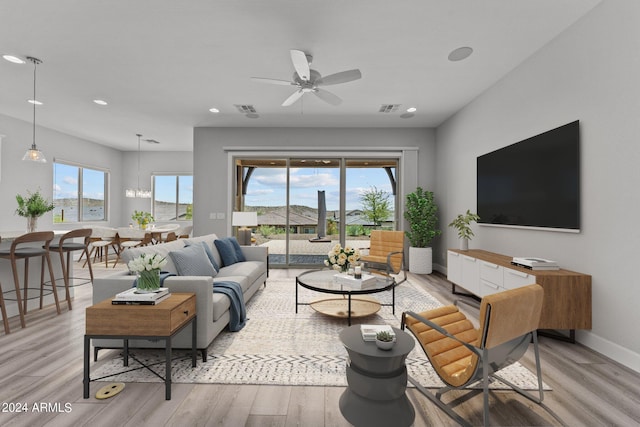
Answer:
(384, 345)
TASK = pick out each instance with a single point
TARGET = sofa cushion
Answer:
(248, 270)
(162, 250)
(192, 261)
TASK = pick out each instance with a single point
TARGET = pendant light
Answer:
(33, 154)
(138, 192)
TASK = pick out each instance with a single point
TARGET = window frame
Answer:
(177, 194)
(80, 190)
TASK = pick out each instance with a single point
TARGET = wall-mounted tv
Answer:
(533, 183)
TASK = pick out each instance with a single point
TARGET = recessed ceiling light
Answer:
(412, 110)
(460, 53)
(214, 110)
(34, 101)
(14, 59)
(100, 101)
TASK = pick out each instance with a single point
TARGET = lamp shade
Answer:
(244, 219)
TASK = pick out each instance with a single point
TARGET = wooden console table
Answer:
(567, 294)
(161, 321)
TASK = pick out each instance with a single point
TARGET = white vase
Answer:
(32, 224)
(420, 260)
(464, 244)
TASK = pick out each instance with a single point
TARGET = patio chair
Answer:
(462, 355)
(386, 253)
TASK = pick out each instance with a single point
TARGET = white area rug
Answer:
(280, 347)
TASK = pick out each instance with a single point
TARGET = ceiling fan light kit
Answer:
(307, 80)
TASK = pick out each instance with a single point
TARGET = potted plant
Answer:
(384, 340)
(142, 218)
(462, 223)
(420, 212)
(32, 208)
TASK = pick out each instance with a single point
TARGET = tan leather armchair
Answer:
(462, 355)
(386, 252)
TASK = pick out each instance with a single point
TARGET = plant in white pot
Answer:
(462, 223)
(421, 214)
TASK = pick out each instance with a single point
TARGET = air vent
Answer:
(389, 108)
(246, 109)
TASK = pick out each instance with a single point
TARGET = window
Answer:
(173, 197)
(79, 193)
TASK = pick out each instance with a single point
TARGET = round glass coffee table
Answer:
(349, 301)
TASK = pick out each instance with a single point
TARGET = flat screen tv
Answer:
(533, 183)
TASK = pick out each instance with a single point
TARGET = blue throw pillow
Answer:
(227, 251)
(236, 246)
(192, 261)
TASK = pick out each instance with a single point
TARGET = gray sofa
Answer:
(212, 308)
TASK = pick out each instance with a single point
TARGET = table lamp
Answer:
(243, 220)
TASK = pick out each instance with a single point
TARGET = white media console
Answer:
(567, 294)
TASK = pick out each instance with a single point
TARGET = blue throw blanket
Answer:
(237, 311)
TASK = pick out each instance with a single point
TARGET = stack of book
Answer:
(369, 332)
(132, 297)
(346, 279)
(535, 263)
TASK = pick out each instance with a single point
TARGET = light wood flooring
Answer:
(41, 371)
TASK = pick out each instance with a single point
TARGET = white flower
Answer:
(147, 262)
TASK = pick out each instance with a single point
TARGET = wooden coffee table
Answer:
(347, 302)
(153, 322)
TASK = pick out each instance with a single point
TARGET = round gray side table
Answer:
(377, 381)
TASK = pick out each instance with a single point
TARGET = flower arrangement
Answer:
(142, 218)
(340, 258)
(32, 207)
(147, 267)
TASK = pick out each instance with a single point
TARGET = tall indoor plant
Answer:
(421, 214)
(462, 223)
(33, 207)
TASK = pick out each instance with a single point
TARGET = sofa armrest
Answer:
(255, 253)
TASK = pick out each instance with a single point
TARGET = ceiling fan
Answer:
(309, 81)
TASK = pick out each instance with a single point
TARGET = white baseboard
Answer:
(620, 354)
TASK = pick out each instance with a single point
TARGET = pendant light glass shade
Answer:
(138, 192)
(33, 154)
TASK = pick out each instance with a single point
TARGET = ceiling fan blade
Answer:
(272, 81)
(300, 63)
(327, 97)
(342, 77)
(293, 98)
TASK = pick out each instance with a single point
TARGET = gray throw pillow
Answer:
(192, 261)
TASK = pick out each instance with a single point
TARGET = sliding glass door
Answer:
(308, 204)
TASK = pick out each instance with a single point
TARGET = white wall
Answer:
(16, 176)
(212, 176)
(591, 73)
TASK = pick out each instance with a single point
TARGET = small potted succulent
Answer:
(384, 340)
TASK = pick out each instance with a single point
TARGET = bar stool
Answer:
(19, 251)
(66, 245)
(4, 312)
